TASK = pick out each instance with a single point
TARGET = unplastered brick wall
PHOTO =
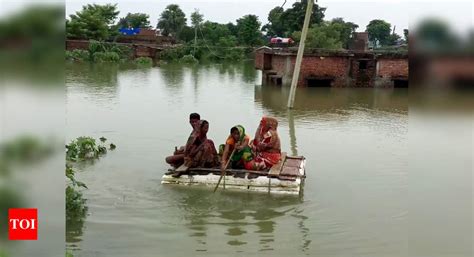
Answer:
(77, 44)
(259, 60)
(393, 68)
(314, 66)
(324, 67)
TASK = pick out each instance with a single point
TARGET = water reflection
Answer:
(96, 78)
(238, 218)
(173, 76)
(315, 101)
(291, 125)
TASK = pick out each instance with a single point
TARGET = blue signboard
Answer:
(129, 31)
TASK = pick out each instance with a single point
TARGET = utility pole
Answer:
(299, 55)
(195, 40)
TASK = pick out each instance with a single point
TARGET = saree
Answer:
(242, 155)
(202, 152)
(266, 146)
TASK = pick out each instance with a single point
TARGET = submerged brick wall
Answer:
(335, 69)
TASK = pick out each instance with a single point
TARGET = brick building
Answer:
(334, 68)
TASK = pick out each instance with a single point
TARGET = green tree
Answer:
(187, 34)
(276, 25)
(213, 31)
(379, 31)
(248, 30)
(92, 22)
(346, 30)
(196, 20)
(232, 29)
(393, 39)
(325, 35)
(405, 35)
(135, 20)
(172, 20)
(284, 23)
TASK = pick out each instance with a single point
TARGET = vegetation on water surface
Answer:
(99, 52)
(76, 208)
(144, 61)
(83, 148)
(80, 149)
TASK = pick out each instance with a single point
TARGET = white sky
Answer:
(401, 13)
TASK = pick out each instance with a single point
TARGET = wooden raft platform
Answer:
(285, 177)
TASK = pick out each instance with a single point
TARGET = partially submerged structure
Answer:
(334, 68)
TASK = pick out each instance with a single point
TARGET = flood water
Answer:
(355, 142)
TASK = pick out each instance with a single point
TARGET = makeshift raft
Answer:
(286, 177)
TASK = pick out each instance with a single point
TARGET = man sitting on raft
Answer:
(201, 151)
(177, 159)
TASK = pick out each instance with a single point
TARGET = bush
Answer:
(77, 55)
(106, 57)
(84, 148)
(175, 53)
(188, 59)
(144, 61)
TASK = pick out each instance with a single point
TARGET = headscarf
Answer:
(245, 154)
(271, 122)
(241, 130)
(199, 126)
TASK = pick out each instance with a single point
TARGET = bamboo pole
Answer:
(299, 55)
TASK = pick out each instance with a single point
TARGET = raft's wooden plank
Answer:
(290, 171)
(275, 170)
(295, 157)
(293, 163)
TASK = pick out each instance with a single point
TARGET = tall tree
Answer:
(276, 25)
(285, 22)
(92, 22)
(379, 31)
(196, 20)
(172, 20)
(325, 35)
(346, 30)
(213, 31)
(135, 20)
(248, 30)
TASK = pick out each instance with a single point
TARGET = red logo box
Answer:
(22, 224)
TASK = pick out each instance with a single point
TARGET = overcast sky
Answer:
(401, 13)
